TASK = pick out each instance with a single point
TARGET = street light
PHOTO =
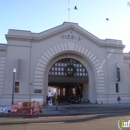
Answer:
(14, 71)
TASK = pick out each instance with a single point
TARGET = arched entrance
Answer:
(88, 89)
(66, 79)
(75, 51)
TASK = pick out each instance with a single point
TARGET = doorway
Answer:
(66, 79)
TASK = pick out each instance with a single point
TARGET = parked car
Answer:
(74, 100)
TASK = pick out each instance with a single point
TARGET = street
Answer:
(69, 117)
(108, 121)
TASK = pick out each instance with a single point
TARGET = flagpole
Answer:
(69, 10)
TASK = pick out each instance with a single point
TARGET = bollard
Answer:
(56, 105)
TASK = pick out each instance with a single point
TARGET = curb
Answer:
(65, 114)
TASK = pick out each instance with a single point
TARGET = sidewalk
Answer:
(78, 109)
(81, 109)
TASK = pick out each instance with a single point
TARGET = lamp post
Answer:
(14, 71)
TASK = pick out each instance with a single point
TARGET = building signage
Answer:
(37, 91)
(71, 37)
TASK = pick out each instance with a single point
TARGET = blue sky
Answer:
(39, 15)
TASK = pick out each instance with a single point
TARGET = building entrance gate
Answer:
(67, 76)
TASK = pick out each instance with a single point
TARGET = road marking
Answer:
(47, 123)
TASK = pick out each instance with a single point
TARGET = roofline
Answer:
(15, 34)
(3, 46)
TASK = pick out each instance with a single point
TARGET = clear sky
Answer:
(39, 15)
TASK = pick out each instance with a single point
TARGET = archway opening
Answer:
(67, 79)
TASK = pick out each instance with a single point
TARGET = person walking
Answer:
(118, 99)
(56, 99)
(47, 99)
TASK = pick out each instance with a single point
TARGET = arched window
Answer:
(68, 67)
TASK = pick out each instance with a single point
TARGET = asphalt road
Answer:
(87, 117)
(77, 122)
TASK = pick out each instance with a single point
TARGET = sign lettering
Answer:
(71, 37)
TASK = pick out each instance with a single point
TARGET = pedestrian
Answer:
(47, 98)
(81, 97)
(56, 99)
(118, 99)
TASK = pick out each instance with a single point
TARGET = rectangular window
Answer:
(16, 89)
(117, 87)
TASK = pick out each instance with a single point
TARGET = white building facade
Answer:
(105, 71)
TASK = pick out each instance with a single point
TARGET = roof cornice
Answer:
(3, 47)
(27, 35)
(127, 55)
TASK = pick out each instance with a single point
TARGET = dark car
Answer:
(74, 100)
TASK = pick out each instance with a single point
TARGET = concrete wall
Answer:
(16, 50)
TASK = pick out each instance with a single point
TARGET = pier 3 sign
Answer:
(71, 37)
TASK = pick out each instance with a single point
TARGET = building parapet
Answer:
(2, 47)
(127, 55)
(28, 35)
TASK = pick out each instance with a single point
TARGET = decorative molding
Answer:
(69, 46)
(29, 36)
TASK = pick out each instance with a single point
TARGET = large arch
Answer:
(66, 48)
(89, 89)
